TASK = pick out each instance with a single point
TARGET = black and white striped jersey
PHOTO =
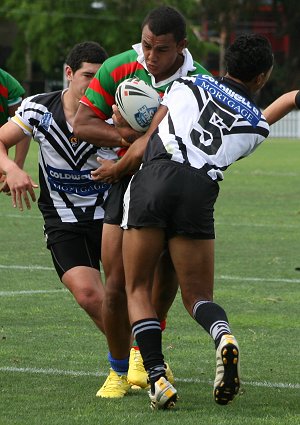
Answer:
(67, 192)
(216, 124)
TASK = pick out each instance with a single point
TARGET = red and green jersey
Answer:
(11, 92)
(100, 95)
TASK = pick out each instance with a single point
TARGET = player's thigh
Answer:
(141, 251)
(112, 261)
(193, 260)
(76, 250)
(113, 205)
(84, 281)
(77, 263)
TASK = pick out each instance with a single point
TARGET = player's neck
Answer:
(171, 71)
(229, 77)
(70, 105)
(249, 86)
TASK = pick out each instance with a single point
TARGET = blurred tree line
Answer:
(47, 30)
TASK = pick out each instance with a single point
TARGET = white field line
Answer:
(257, 279)
(79, 373)
(217, 222)
(265, 173)
(31, 292)
(265, 225)
(49, 291)
(22, 215)
(30, 267)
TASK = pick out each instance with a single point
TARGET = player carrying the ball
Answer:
(159, 59)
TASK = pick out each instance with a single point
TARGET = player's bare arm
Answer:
(19, 182)
(20, 156)
(280, 107)
(88, 126)
(111, 172)
(22, 149)
(108, 172)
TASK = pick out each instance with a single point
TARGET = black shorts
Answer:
(113, 205)
(74, 244)
(172, 196)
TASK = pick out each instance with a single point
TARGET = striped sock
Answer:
(163, 324)
(212, 318)
(147, 332)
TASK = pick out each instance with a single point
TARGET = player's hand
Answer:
(107, 172)
(124, 129)
(117, 118)
(21, 187)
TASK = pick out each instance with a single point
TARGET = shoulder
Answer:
(120, 59)
(114, 70)
(199, 69)
(44, 98)
(39, 103)
(183, 82)
(11, 84)
(5, 77)
(49, 97)
(179, 85)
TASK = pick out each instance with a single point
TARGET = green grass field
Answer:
(53, 360)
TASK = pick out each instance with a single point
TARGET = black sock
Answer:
(212, 318)
(147, 333)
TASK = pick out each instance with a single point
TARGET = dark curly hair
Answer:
(248, 56)
(87, 51)
(166, 20)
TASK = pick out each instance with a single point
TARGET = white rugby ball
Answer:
(137, 103)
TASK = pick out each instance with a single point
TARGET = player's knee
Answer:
(114, 286)
(89, 299)
(115, 299)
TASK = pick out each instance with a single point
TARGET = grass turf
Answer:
(53, 360)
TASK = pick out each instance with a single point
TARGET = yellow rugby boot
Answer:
(115, 386)
(137, 376)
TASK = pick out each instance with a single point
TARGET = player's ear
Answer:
(182, 45)
(69, 73)
(260, 79)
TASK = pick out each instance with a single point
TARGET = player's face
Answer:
(163, 55)
(81, 78)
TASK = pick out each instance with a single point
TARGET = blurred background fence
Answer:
(288, 126)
